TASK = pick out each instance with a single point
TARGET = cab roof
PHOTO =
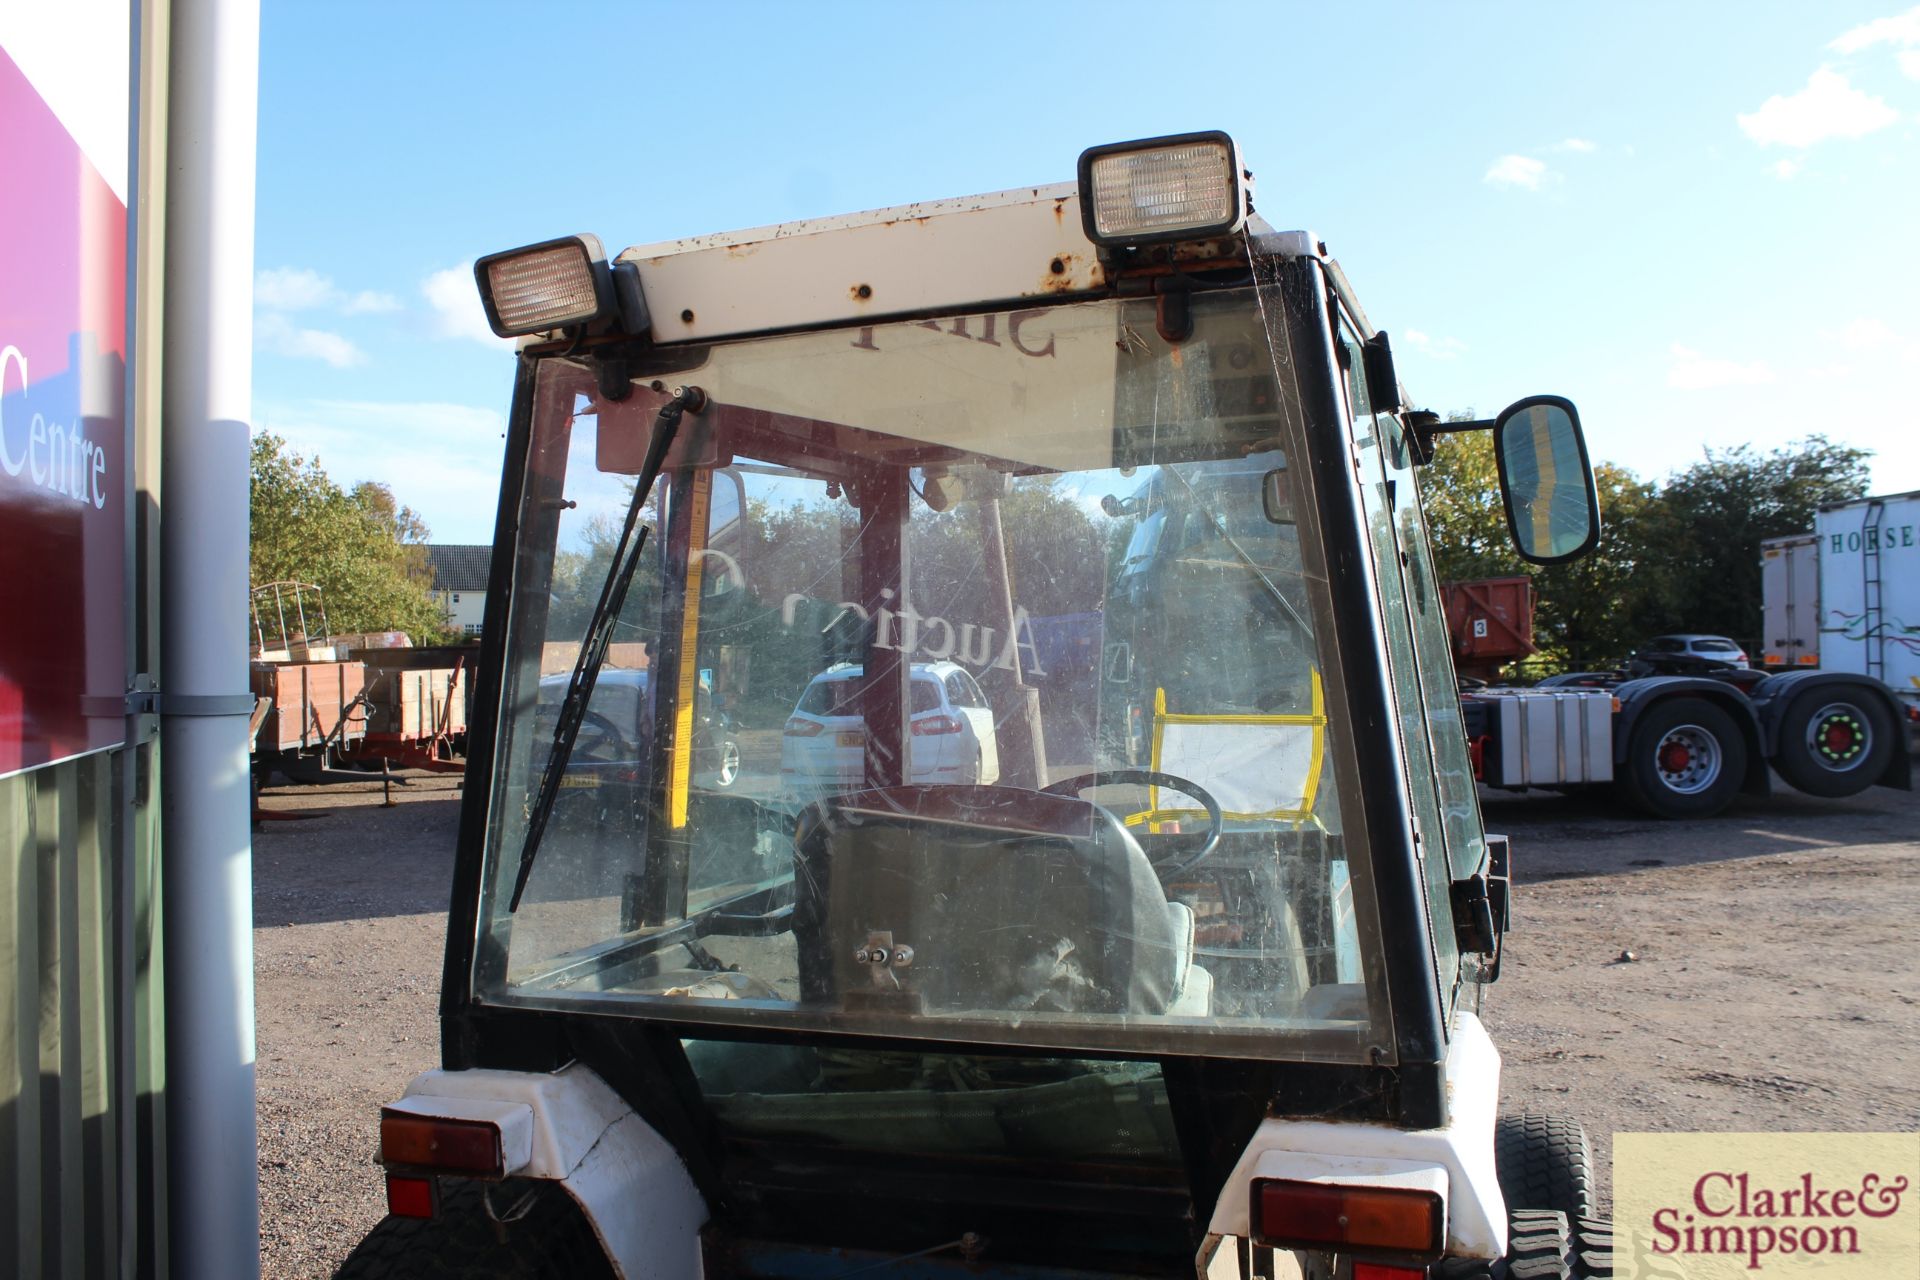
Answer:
(969, 253)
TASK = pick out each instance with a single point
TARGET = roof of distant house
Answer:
(458, 567)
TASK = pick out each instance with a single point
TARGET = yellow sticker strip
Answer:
(1315, 719)
(680, 778)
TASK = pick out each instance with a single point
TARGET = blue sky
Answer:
(1698, 221)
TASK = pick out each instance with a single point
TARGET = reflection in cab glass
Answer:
(967, 688)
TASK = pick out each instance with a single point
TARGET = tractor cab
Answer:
(1096, 883)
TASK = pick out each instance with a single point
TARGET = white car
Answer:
(823, 746)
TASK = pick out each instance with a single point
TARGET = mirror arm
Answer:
(1424, 424)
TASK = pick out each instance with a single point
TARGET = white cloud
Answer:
(1517, 171)
(441, 459)
(1574, 144)
(274, 332)
(1902, 29)
(456, 306)
(1692, 371)
(292, 289)
(1909, 60)
(1433, 348)
(1786, 169)
(1866, 334)
(368, 301)
(303, 289)
(1828, 107)
(1869, 333)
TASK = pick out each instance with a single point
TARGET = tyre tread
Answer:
(552, 1242)
(1545, 1160)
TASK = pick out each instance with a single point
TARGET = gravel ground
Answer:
(349, 924)
(1774, 984)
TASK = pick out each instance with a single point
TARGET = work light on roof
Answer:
(552, 285)
(1185, 187)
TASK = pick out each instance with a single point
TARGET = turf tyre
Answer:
(553, 1241)
(1545, 1161)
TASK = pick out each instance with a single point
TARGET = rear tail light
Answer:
(1398, 1223)
(934, 726)
(798, 728)
(410, 1196)
(470, 1147)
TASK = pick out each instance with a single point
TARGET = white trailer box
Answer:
(1870, 589)
(1790, 602)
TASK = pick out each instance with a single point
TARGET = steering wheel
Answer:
(1152, 777)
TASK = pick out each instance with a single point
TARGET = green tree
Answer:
(1713, 516)
(1589, 613)
(1461, 493)
(362, 549)
(1593, 612)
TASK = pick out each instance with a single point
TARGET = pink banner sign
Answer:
(64, 484)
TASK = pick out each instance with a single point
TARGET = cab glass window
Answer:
(978, 696)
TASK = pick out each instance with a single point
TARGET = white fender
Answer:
(632, 1186)
(1325, 1151)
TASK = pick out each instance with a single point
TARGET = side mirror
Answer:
(1274, 497)
(1546, 481)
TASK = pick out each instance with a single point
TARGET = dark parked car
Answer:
(609, 746)
(1709, 648)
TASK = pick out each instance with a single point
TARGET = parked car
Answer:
(823, 746)
(1710, 648)
(608, 748)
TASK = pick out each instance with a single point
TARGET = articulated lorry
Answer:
(1834, 710)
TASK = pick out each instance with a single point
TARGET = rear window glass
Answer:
(1716, 646)
(963, 692)
(926, 695)
(842, 697)
(831, 698)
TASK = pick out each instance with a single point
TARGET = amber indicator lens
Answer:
(431, 1142)
(1398, 1221)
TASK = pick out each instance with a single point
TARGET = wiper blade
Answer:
(599, 634)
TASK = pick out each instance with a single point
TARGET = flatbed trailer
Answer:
(333, 701)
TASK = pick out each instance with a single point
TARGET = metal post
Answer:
(214, 74)
(1016, 704)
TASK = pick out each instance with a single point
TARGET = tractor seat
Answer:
(956, 899)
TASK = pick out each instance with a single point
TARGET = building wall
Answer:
(463, 609)
(82, 1119)
(83, 1152)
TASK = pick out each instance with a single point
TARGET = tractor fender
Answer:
(1636, 696)
(1772, 697)
(629, 1182)
(1456, 1159)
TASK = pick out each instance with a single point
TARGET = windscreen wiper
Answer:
(606, 613)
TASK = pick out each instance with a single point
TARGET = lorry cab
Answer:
(1192, 991)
